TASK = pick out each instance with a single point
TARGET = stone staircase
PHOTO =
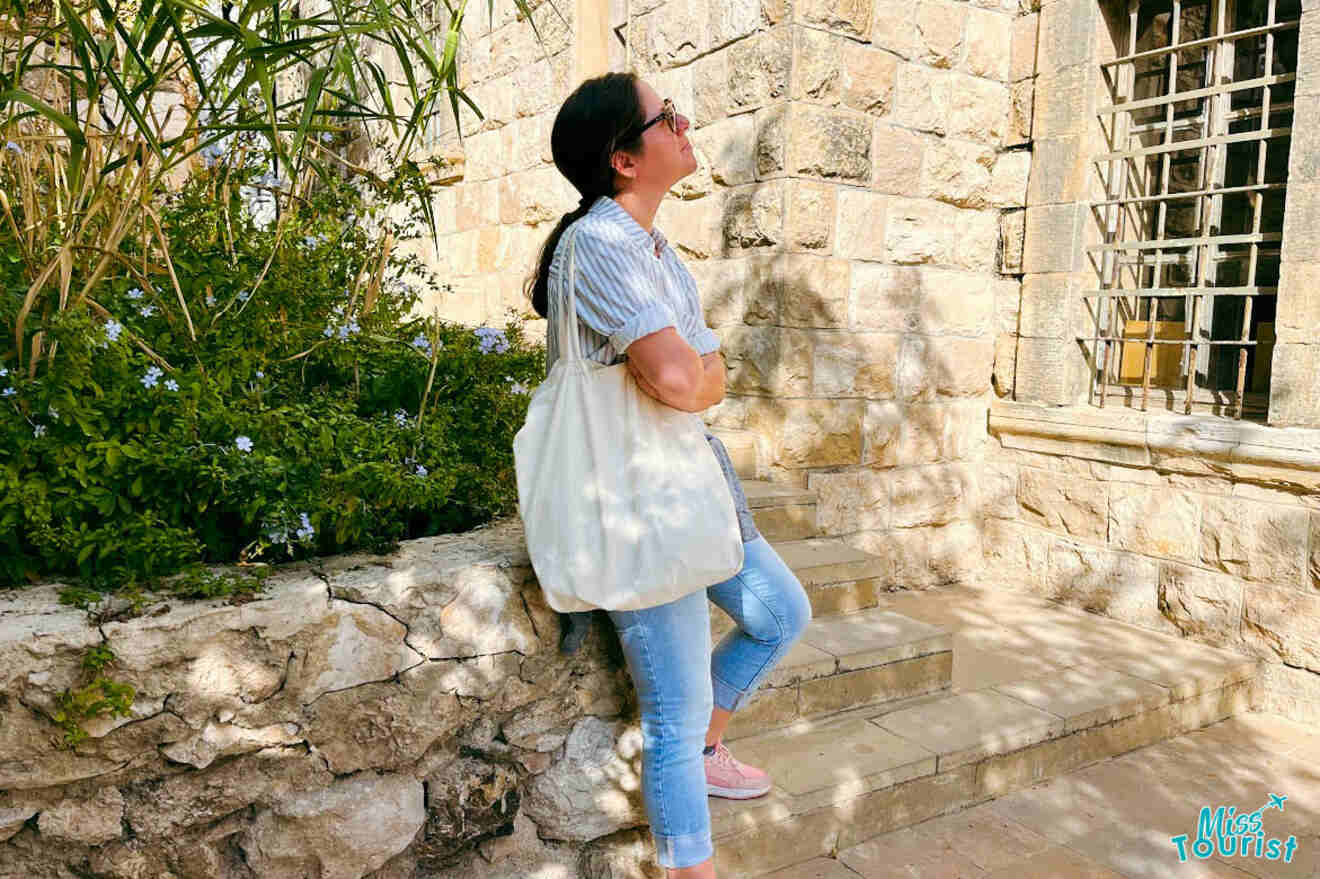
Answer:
(897, 707)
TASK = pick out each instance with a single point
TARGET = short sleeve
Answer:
(617, 293)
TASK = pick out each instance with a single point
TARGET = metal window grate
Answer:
(1198, 129)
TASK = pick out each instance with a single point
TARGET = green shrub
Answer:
(283, 401)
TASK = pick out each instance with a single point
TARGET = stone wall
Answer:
(1202, 528)
(369, 716)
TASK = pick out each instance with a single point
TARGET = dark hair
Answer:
(585, 135)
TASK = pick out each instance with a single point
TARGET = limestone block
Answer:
(1047, 302)
(1118, 585)
(758, 69)
(1004, 377)
(935, 494)
(1007, 294)
(930, 556)
(881, 430)
(700, 182)
(814, 292)
(948, 366)
(958, 172)
(13, 819)
(1067, 34)
(1012, 230)
(1008, 184)
(1016, 552)
(732, 20)
(998, 490)
(811, 210)
(91, 821)
(940, 27)
(989, 37)
(694, 228)
(1255, 541)
(595, 789)
(340, 832)
(805, 433)
(670, 35)
(1201, 604)
(978, 108)
(861, 225)
(771, 141)
(921, 101)
(536, 87)
(767, 277)
(893, 27)
(722, 285)
(1064, 504)
(898, 155)
(1061, 102)
(1021, 97)
(851, 17)
(856, 365)
(754, 217)
(954, 431)
(1291, 692)
(1294, 393)
(485, 156)
(1023, 49)
(217, 740)
(511, 47)
(1298, 312)
(1050, 241)
(885, 297)
(731, 146)
(919, 231)
(767, 360)
(1155, 522)
(1284, 625)
(1060, 166)
(855, 500)
(829, 144)
(838, 71)
(711, 96)
(955, 303)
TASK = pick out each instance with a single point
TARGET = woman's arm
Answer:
(668, 369)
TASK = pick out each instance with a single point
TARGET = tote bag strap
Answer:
(569, 338)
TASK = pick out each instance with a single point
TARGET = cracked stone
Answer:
(92, 821)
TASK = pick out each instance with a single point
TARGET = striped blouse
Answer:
(630, 284)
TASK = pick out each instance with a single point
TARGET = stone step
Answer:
(843, 662)
(782, 512)
(838, 578)
(842, 779)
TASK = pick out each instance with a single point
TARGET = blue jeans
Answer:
(667, 649)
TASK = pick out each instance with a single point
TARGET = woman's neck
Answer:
(641, 205)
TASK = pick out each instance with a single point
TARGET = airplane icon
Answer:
(1276, 802)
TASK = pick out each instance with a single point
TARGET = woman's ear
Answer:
(624, 163)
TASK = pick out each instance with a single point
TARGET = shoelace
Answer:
(724, 757)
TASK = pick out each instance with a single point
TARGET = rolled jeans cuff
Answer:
(688, 850)
(728, 697)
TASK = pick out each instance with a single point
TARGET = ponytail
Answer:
(583, 141)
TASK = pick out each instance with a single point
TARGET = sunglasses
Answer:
(667, 113)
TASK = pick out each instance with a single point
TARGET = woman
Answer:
(623, 148)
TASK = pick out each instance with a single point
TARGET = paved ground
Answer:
(1115, 818)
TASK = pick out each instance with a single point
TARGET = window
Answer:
(1198, 126)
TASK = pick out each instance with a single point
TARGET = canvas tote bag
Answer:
(622, 498)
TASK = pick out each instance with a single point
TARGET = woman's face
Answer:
(666, 156)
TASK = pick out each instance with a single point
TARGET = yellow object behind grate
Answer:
(1165, 360)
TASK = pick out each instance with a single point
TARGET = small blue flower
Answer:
(260, 374)
(112, 330)
(152, 377)
(171, 384)
(329, 331)
(244, 295)
(326, 137)
(421, 471)
(306, 531)
(53, 413)
(343, 333)
(423, 344)
(8, 392)
(401, 418)
(210, 300)
(135, 293)
(243, 443)
(39, 431)
(147, 310)
(492, 340)
(3, 372)
(13, 147)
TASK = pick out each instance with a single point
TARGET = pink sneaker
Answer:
(729, 778)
